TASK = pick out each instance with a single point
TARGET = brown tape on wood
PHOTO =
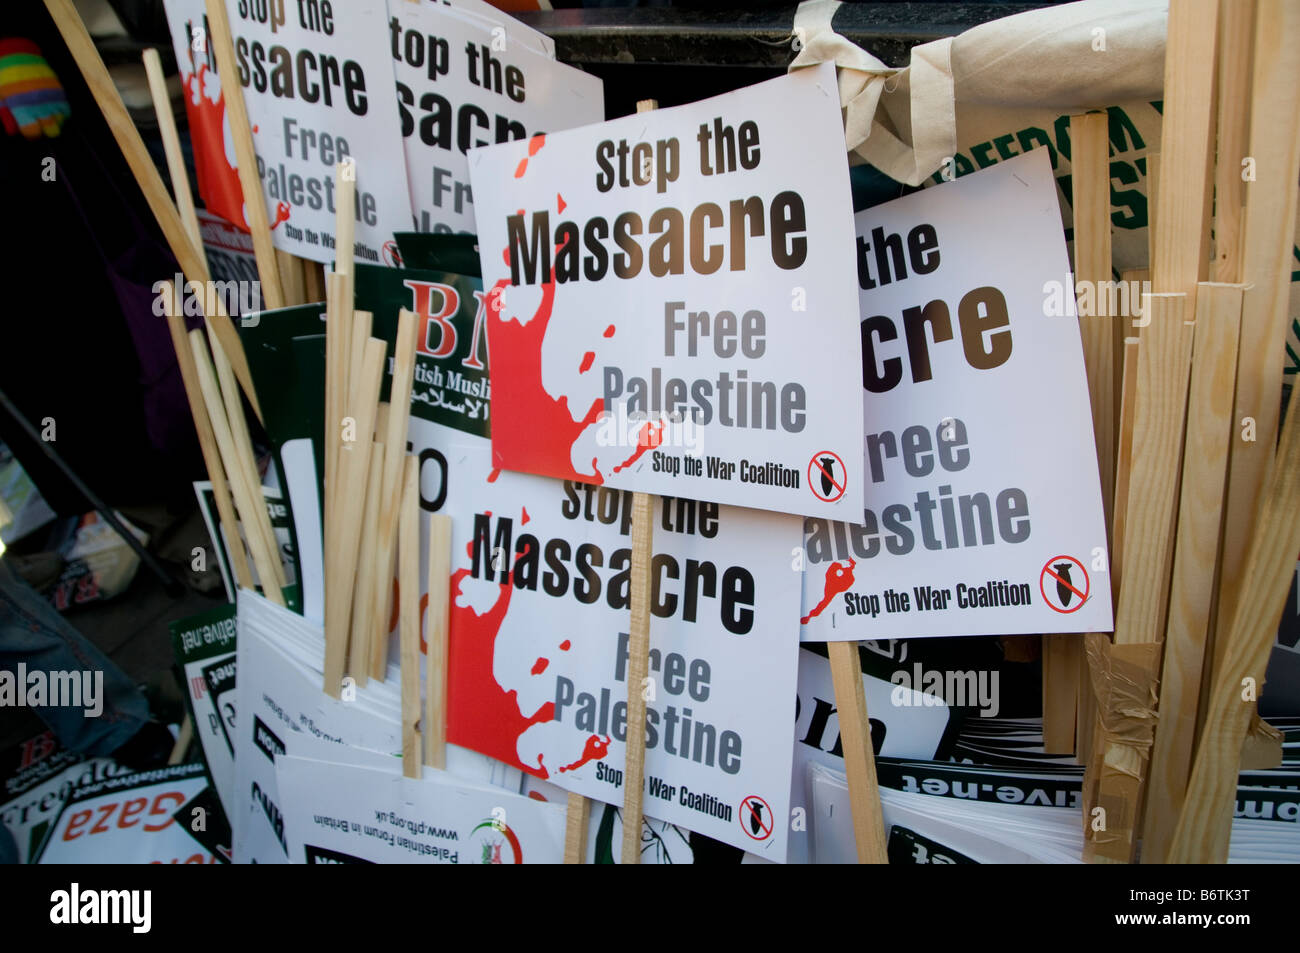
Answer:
(1124, 678)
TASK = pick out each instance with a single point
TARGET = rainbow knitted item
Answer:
(31, 99)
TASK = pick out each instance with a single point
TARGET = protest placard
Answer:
(130, 819)
(204, 646)
(318, 83)
(466, 81)
(364, 813)
(670, 307)
(550, 697)
(983, 512)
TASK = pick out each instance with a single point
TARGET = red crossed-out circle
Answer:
(816, 471)
(765, 820)
(1047, 571)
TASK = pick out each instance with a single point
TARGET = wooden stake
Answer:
(291, 280)
(637, 670)
(859, 756)
(241, 134)
(1062, 660)
(409, 562)
(338, 325)
(638, 655)
(399, 415)
(171, 140)
(1064, 697)
(1205, 458)
(1269, 238)
(1150, 509)
(435, 637)
(1205, 825)
(1236, 43)
(358, 643)
(146, 176)
(313, 280)
(1186, 150)
(248, 499)
(575, 829)
(344, 538)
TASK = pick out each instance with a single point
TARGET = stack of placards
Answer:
(696, 444)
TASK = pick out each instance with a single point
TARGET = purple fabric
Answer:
(133, 267)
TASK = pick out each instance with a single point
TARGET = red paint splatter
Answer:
(523, 516)
(254, 130)
(564, 646)
(560, 204)
(609, 331)
(537, 796)
(647, 439)
(532, 430)
(281, 214)
(587, 360)
(521, 168)
(469, 549)
(594, 750)
(838, 579)
(492, 477)
(535, 144)
(481, 714)
(540, 665)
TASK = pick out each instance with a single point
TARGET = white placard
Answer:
(318, 84)
(537, 671)
(671, 305)
(463, 82)
(350, 813)
(983, 512)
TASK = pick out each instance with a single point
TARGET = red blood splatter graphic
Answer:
(540, 665)
(523, 516)
(254, 130)
(534, 144)
(594, 750)
(218, 181)
(281, 214)
(609, 331)
(480, 713)
(537, 796)
(647, 439)
(560, 204)
(492, 477)
(838, 579)
(564, 646)
(529, 424)
(587, 360)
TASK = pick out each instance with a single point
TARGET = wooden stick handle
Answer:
(435, 637)
(859, 756)
(409, 562)
(248, 499)
(575, 829)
